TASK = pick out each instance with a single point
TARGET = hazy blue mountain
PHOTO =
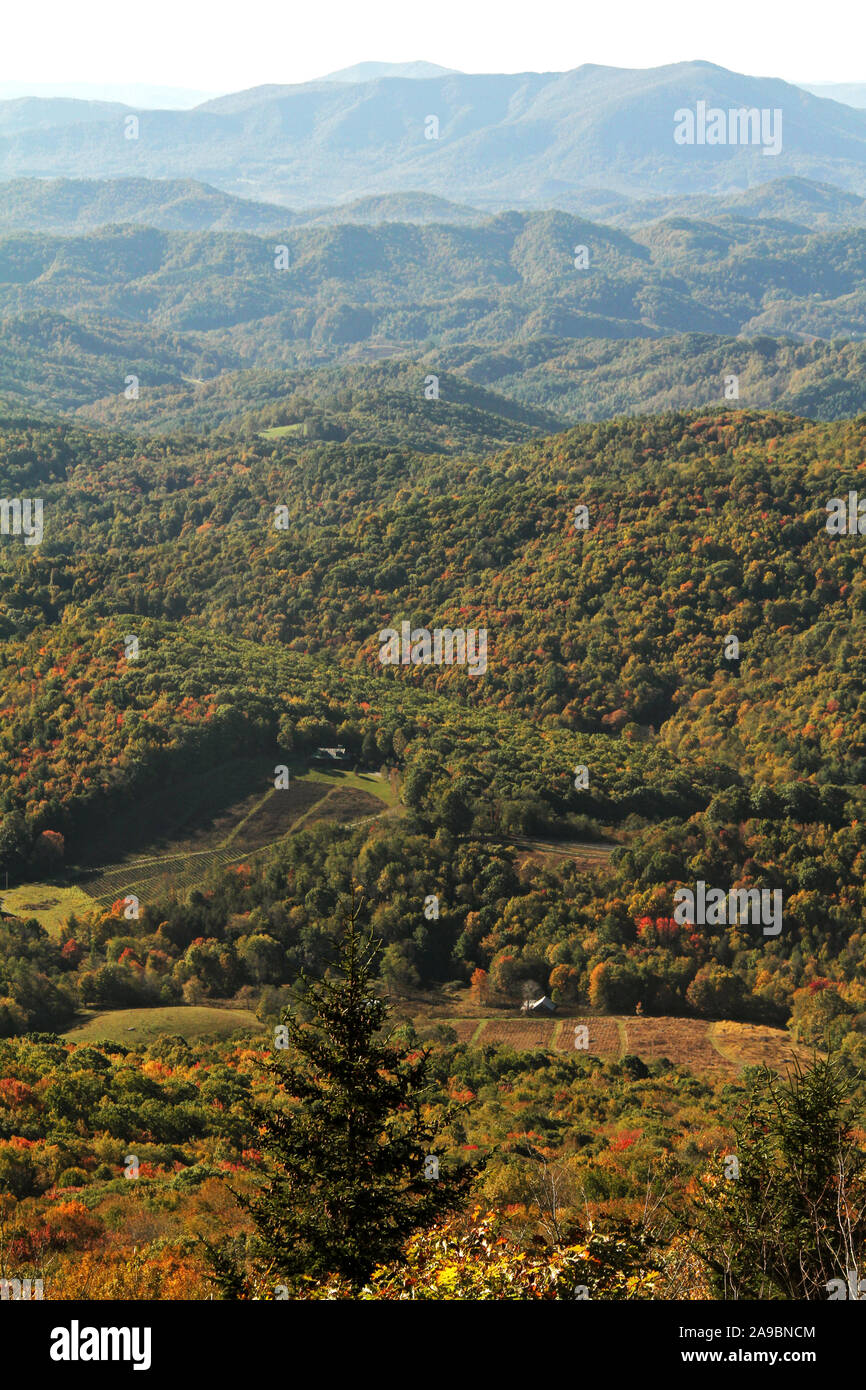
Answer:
(525, 139)
(409, 207)
(75, 205)
(794, 200)
(26, 114)
(133, 94)
(799, 202)
(851, 93)
(72, 205)
(368, 72)
(397, 287)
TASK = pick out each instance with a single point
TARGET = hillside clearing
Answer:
(142, 1025)
(246, 828)
(49, 903)
(687, 1042)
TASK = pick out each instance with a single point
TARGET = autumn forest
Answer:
(432, 753)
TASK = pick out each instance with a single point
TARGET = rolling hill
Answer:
(67, 205)
(568, 319)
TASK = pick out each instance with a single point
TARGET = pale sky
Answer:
(214, 46)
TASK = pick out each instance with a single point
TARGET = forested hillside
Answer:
(144, 328)
(514, 275)
(608, 647)
(432, 693)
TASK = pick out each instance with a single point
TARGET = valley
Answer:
(432, 690)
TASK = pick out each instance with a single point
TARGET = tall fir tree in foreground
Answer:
(350, 1152)
(789, 1214)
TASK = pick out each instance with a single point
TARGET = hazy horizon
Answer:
(197, 48)
(155, 96)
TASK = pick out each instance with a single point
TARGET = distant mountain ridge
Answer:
(850, 93)
(513, 275)
(79, 312)
(72, 205)
(519, 139)
(132, 94)
(29, 114)
(68, 206)
(369, 72)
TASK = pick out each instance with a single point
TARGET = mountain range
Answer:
(657, 317)
(516, 275)
(72, 205)
(631, 286)
(521, 139)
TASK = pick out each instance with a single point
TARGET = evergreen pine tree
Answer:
(348, 1144)
(789, 1215)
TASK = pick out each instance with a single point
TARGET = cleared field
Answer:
(49, 903)
(242, 830)
(343, 805)
(372, 782)
(280, 431)
(521, 1033)
(587, 854)
(750, 1045)
(141, 1025)
(274, 816)
(255, 824)
(687, 1042)
(151, 878)
(604, 1036)
(684, 1041)
(465, 1028)
(584, 851)
(200, 834)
